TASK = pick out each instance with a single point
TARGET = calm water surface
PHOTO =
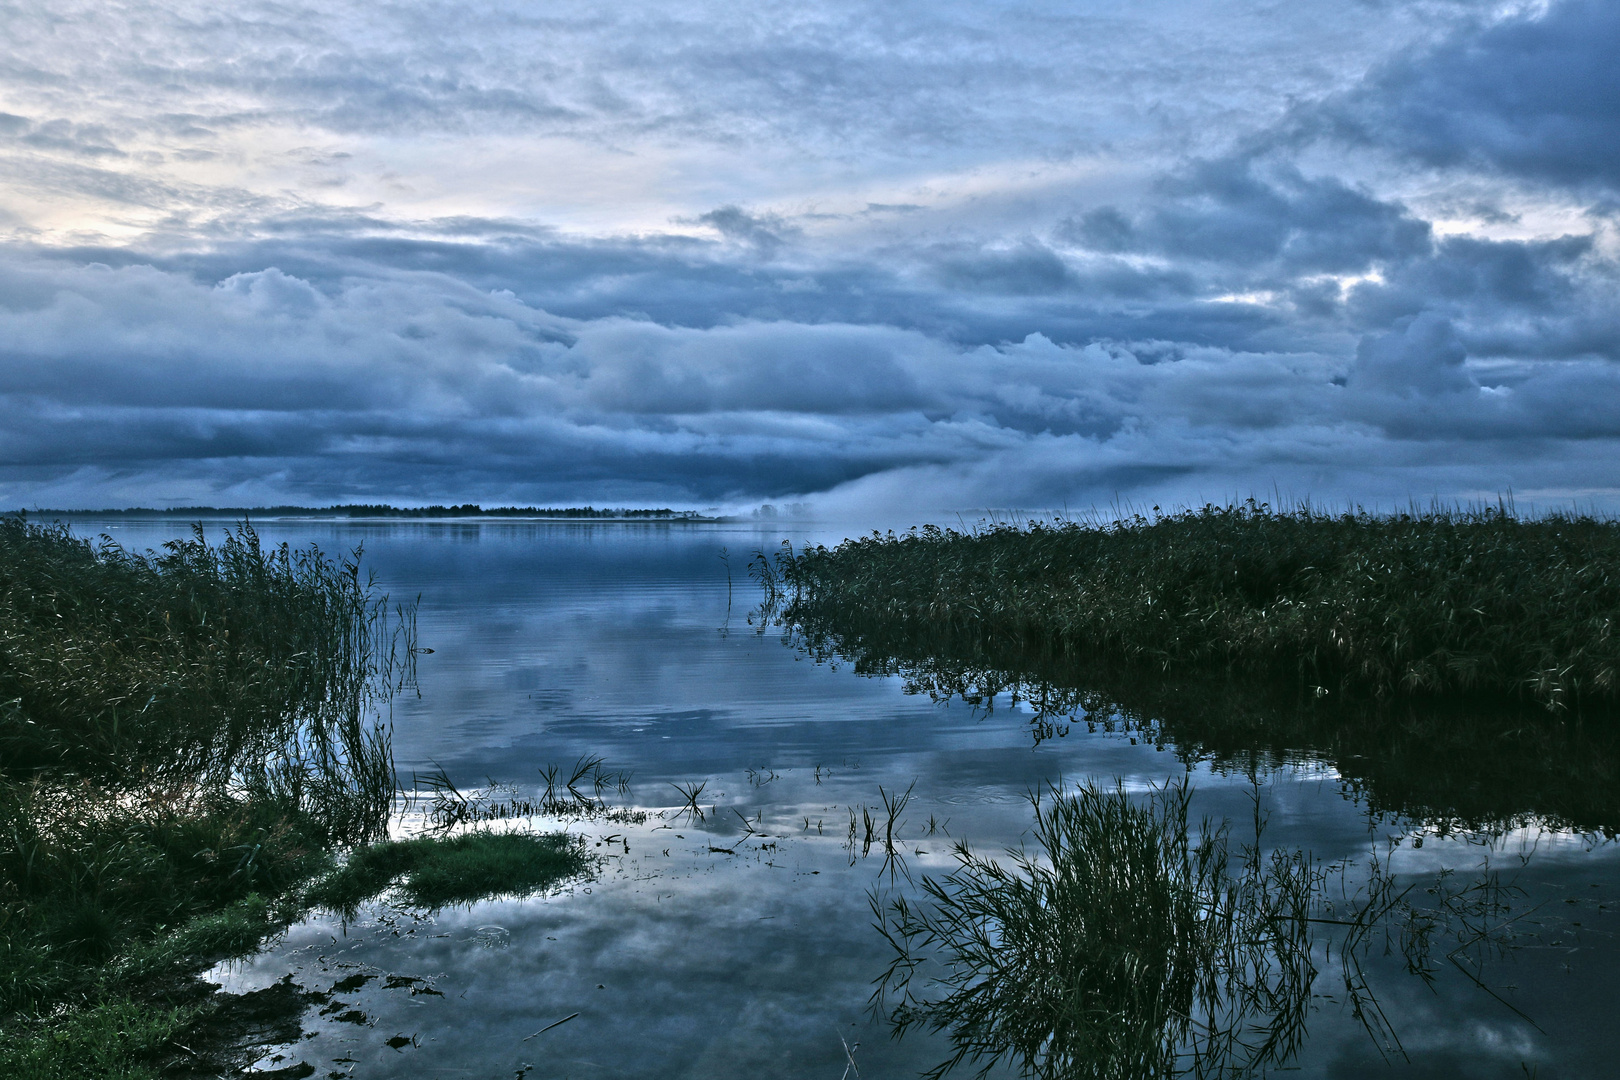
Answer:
(696, 950)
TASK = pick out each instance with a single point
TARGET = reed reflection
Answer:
(1448, 767)
(1130, 942)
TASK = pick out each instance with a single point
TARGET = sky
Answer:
(893, 258)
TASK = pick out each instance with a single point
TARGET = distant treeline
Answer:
(378, 510)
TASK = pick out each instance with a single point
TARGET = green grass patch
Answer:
(434, 872)
(1437, 605)
(90, 876)
(235, 931)
(113, 1039)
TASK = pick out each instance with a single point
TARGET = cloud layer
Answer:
(894, 262)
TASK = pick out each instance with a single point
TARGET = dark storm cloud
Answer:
(1028, 269)
(1265, 216)
(1549, 299)
(1423, 359)
(414, 382)
(1535, 96)
(969, 294)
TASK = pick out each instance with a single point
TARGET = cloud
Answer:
(942, 257)
(765, 232)
(1535, 96)
(1025, 269)
(1240, 210)
(1424, 358)
(1546, 299)
(409, 384)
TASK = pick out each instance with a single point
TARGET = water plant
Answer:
(1131, 942)
(691, 791)
(444, 806)
(866, 832)
(1430, 604)
(1122, 947)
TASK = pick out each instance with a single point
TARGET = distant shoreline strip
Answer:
(572, 513)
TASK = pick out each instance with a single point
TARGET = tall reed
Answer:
(203, 662)
(179, 731)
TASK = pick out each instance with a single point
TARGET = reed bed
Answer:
(190, 664)
(185, 736)
(1435, 604)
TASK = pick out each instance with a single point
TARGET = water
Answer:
(713, 948)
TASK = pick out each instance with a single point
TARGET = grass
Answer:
(187, 740)
(88, 885)
(185, 736)
(1121, 947)
(114, 1039)
(1435, 605)
(179, 731)
(189, 663)
(434, 872)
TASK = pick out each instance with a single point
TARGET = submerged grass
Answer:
(1441, 604)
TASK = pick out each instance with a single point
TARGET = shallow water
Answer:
(697, 949)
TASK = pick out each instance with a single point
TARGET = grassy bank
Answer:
(1438, 605)
(184, 738)
(187, 739)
